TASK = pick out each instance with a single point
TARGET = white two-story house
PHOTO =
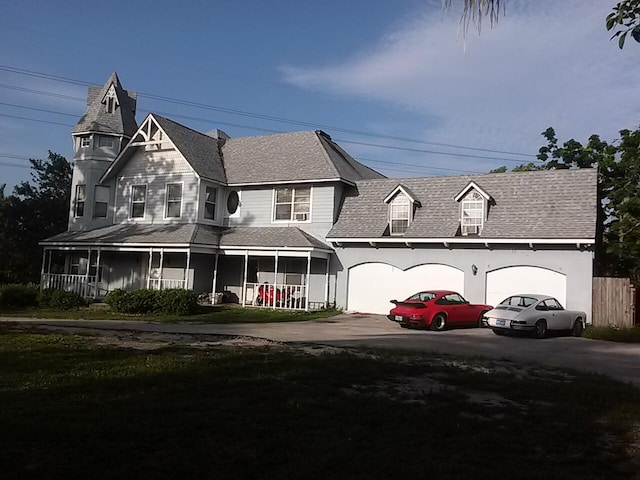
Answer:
(293, 221)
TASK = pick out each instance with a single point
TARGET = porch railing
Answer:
(164, 283)
(84, 285)
(282, 296)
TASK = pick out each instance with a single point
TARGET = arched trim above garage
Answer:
(372, 285)
(507, 281)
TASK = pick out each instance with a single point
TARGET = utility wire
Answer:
(231, 111)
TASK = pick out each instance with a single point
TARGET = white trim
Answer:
(146, 199)
(286, 182)
(486, 241)
(166, 199)
(395, 191)
(472, 185)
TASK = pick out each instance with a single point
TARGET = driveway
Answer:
(617, 360)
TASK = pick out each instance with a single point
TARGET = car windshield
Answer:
(519, 301)
(422, 296)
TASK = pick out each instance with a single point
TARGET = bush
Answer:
(177, 301)
(172, 301)
(18, 296)
(61, 300)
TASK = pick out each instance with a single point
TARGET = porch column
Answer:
(161, 265)
(95, 290)
(326, 283)
(186, 270)
(149, 272)
(44, 258)
(244, 278)
(85, 289)
(49, 262)
(215, 279)
(275, 282)
(306, 304)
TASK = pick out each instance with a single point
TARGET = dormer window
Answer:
(399, 217)
(472, 213)
(401, 208)
(474, 202)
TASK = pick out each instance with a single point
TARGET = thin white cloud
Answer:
(548, 64)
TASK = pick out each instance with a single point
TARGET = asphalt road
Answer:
(617, 360)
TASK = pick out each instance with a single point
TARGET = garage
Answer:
(372, 285)
(525, 279)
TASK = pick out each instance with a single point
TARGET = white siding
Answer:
(160, 162)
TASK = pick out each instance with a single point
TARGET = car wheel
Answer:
(439, 322)
(578, 328)
(541, 329)
(498, 331)
(258, 301)
(480, 323)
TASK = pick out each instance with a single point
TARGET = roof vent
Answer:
(218, 134)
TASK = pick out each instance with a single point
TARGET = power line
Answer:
(231, 111)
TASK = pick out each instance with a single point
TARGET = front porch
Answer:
(277, 279)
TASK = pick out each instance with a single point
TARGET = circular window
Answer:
(233, 200)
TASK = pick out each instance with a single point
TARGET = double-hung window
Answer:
(293, 204)
(174, 200)
(138, 200)
(399, 213)
(101, 201)
(472, 213)
(85, 141)
(81, 196)
(210, 203)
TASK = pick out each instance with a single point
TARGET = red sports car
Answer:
(437, 309)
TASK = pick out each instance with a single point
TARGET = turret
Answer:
(105, 128)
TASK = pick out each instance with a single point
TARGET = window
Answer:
(210, 203)
(174, 200)
(293, 204)
(138, 200)
(80, 199)
(472, 213)
(399, 211)
(85, 141)
(101, 201)
(105, 141)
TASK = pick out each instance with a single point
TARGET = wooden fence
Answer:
(614, 302)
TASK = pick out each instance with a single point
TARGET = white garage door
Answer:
(372, 285)
(512, 280)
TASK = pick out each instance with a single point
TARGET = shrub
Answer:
(61, 300)
(177, 301)
(172, 301)
(18, 296)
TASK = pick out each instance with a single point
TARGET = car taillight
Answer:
(415, 316)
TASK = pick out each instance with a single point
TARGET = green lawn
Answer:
(227, 313)
(72, 409)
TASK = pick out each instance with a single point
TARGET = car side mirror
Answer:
(394, 301)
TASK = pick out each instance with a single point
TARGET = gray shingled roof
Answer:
(96, 119)
(543, 204)
(181, 233)
(200, 150)
(297, 156)
(270, 237)
(190, 233)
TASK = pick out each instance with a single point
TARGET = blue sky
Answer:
(387, 69)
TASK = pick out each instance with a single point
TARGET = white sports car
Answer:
(534, 313)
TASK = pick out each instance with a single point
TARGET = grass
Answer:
(71, 409)
(213, 314)
(613, 334)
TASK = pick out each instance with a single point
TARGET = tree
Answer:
(618, 216)
(625, 16)
(36, 210)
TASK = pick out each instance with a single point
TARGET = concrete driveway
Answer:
(617, 360)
